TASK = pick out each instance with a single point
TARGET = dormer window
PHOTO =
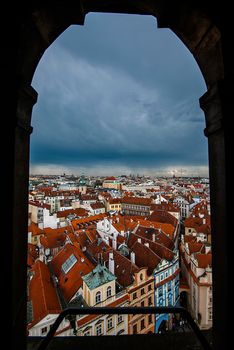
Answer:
(98, 297)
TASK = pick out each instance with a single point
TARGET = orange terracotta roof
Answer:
(157, 247)
(137, 201)
(163, 217)
(77, 212)
(53, 239)
(196, 222)
(124, 269)
(166, 228)
(34, 229)
(170, 207)
(71, 281)
(195, 247)
(158, 235)
(97, 205)
(145, 257)
(42, 293)
(39, 204)
(114, 200)
(77, 223)
(204, 260)
(33, 254)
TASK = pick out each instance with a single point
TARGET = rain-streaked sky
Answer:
(118, 96)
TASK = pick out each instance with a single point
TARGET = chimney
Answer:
(139, 240)
(111, 263)
(146, 244)
(153, 237)
(132, 255)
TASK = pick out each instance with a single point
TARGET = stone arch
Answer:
(206, 32)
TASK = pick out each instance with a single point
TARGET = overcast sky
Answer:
(118, 96)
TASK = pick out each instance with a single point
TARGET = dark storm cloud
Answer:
(118, 91)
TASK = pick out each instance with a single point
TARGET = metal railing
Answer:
(123, 311)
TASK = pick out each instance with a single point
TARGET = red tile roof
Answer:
(53, 239)
(204, 260)
(34, 229)
(157, 247)
(145, 257)
(137, 201)
(195, 247)
(42, 293)
(77, 212)
(97, 205)
(84, 222)
(163, 217)
(124, 268)
(33, 254)
(72, 280)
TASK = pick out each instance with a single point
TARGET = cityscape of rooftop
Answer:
(119, 198)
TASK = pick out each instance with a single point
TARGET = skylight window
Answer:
(69, 263)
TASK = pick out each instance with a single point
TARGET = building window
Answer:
(169, 286)
(44, 330)
(120, 318)
(108, 292)
(134, 296)
(150, 287)
(160, 292)
(109, 323)
(86, 334)
(98, 297)
(161, 277)
(99, 329)
(150, 301)
(134, 329)
(142, 324)
(142, 291)
(142, 304)
(149, 319)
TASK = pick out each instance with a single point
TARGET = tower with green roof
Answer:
(99, 286)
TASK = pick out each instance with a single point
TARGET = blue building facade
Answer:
(166, 280)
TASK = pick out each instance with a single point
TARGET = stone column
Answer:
(27, 97)
(213, 103)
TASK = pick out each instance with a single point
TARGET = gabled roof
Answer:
(98, 276)
(195, 247)
(124, 269)
(42, 293)
(145, 257)
(71, 281)
(157, 247)
(152, 233)
(34, 229)
(163, 217)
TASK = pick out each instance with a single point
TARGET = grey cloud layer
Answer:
(93, 110)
